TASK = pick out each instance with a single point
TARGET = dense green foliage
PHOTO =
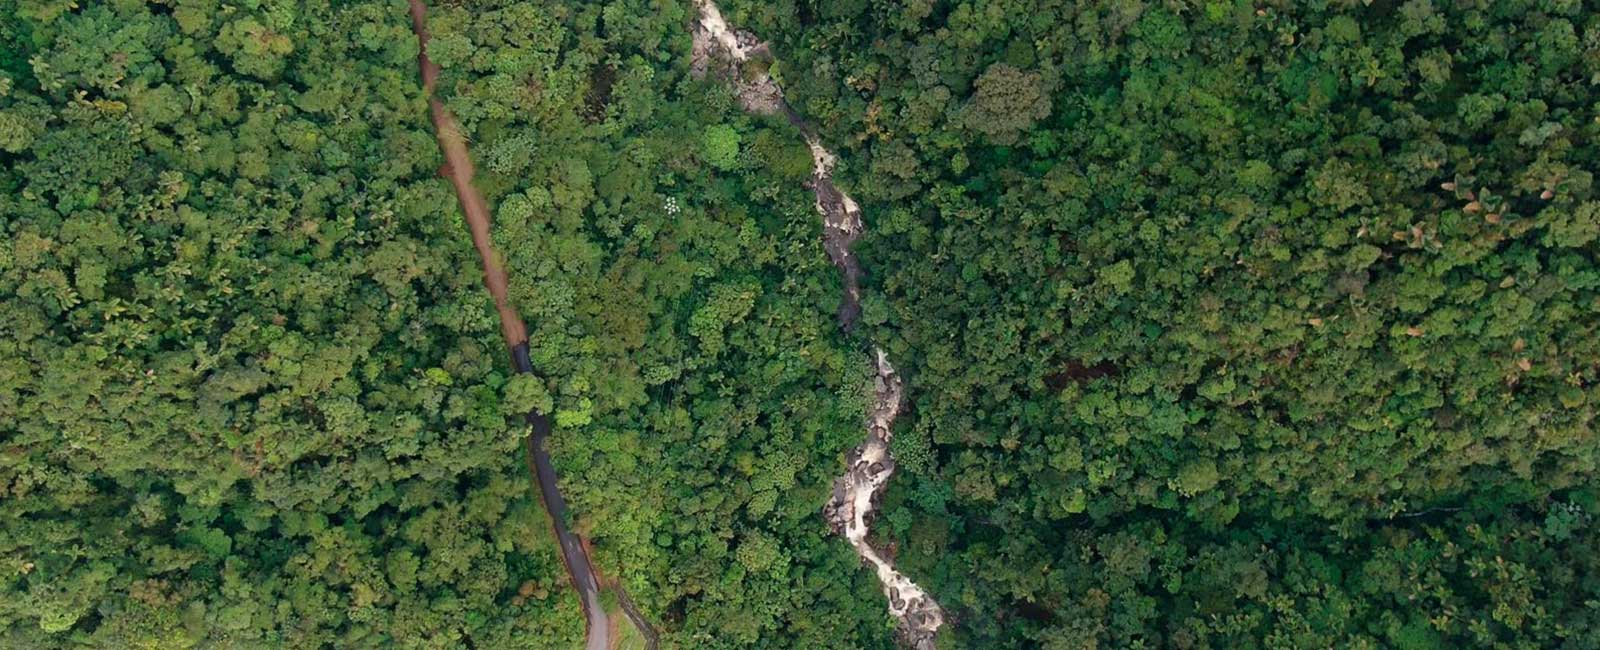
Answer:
(1257, 276)
(1224, 324)
(676, 299)
(257, 397)
(249, 386)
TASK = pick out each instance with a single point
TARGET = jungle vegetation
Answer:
(1223, 324)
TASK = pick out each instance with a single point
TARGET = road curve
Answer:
(459, 170)
(597, 626)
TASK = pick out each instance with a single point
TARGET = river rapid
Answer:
(723, 51)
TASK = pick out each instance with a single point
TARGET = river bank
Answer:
(723, 51)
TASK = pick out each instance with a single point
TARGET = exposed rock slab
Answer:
(733, 56)
(855, 496)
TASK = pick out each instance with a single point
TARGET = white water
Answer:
(871, 464)
(711, 21)
(854, 495)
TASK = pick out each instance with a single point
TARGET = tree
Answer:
(719, 146)
(1006, 102)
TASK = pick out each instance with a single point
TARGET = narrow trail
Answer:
(721, 50)
(459, 170)
(629, 610)
(651, 639)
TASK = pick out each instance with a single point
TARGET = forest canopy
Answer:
(1222, 324)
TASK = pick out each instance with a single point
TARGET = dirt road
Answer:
(459, 170)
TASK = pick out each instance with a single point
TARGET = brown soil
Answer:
(1076, 372)
(459, 170)
(615, 632)
(631, 611)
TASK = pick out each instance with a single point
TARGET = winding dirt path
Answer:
(721, 50)
(629, 610)
(598, 631)
(459, 170)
